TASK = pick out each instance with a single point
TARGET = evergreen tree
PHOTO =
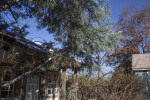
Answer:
(81, 26)
(11, 11)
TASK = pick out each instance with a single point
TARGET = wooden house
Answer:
(43, 84)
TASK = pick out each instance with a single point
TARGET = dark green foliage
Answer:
(11, 11)
(81, 26)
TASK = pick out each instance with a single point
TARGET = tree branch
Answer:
(6, 6)
(15, 18)
(26, 73)
(104, 75)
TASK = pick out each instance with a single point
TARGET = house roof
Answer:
(72, 63)
(141, 62)
(23, 42)
(36, 49)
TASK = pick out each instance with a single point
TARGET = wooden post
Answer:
(23, 85)
(0, 77)
(133, 74)
(148, 81)
(75, 84)
(0, 80)
(64, 81)
(42, 88)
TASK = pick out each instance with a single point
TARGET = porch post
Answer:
(75, 84)
(23, 85)
(148, 81)
(0, 80)
(64, 81)
(0, 77)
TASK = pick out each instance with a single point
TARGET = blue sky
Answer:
(116, 7)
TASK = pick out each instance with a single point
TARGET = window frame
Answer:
(30, 84)
(54, 75)
(8, 89)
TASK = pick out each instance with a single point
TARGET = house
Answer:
(21, 55)
(141, 63)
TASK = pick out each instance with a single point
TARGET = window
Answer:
(52, 83)
(7, 92)
(32, 87)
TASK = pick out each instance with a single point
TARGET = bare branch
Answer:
(15, 19)
(26, 74)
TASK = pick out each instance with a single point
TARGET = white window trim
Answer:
(53, 81)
